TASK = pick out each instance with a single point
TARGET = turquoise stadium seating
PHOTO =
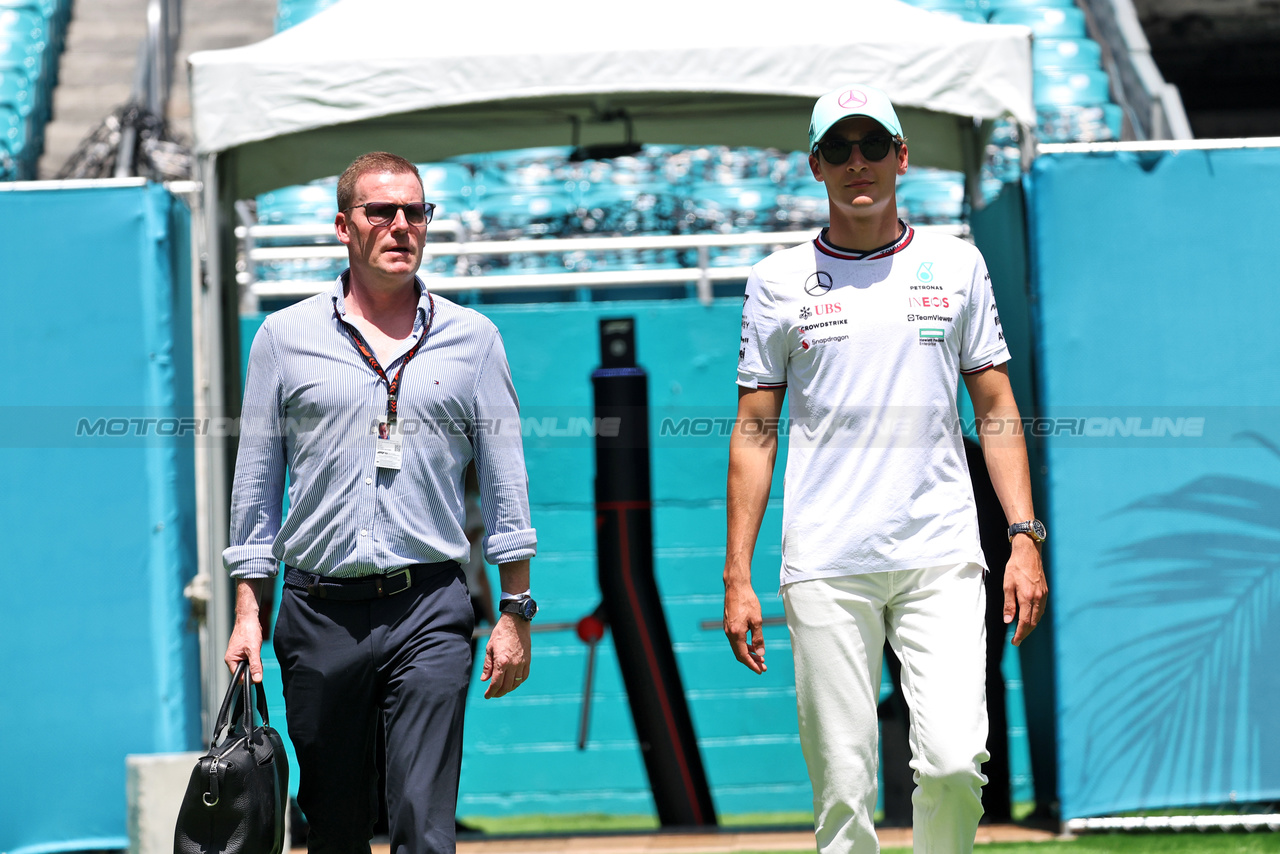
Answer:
(544, 192)
(1071, 90)
(1085, 87)
(993, 5)
(31, 40)
(932, 196)
(17, 122)
(299, 205)
(973, 16)
(292, 12)
(1046, 22)
(305, 204)
(1065, 54)
(979, 6)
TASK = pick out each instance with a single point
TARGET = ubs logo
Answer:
(852, 98)
(817, 284)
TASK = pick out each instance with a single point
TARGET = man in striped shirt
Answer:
(373, 397)
(869, 328)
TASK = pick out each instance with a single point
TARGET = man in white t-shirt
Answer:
(869, 328)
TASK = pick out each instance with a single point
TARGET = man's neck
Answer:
(862, 234)
(384, 304)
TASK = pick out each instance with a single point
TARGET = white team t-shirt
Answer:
(870, 347)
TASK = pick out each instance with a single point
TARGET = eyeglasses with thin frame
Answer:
(837, 150)
(383, 213)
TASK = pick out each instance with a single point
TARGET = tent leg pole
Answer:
(212, 503)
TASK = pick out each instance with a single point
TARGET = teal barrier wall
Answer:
(999, 231)
(1159, 379)
(746, 724)
(100, 655)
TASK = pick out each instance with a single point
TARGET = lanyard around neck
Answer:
(393, 385)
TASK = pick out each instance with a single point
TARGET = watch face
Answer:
(524, 608)
(1038, 528)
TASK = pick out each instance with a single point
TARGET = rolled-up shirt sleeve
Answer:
(499, 455)
(258, 490)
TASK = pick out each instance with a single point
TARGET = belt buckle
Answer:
(314, 587)
(407, 573)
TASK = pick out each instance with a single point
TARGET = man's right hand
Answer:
(742, 618)
(246, 635)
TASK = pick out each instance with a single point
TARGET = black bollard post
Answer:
(624, 549)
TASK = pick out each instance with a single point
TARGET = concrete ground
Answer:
(703, 843)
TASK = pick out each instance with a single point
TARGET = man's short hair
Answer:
(374, 161)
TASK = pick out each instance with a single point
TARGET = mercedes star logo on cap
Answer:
(853, 98)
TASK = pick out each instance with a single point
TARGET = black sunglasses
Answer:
(382, 213)
(836, 150)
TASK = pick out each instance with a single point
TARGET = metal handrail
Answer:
(1153, 105)
(703, 275)
(549, 245)
(154, 75)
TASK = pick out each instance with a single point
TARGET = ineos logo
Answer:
(853, 98)
(817, 284)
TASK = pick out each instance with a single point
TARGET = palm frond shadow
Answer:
(1178, 711)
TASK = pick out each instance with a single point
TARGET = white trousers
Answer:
(934, 620)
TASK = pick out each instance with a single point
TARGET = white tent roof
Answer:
(429, 79)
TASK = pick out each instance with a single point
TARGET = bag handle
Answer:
(235, 701)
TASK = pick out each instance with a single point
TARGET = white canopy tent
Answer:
(428, 79)
(431, 79)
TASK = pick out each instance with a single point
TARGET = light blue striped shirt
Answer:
(311, 407)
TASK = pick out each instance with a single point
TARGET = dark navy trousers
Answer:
(407, 658)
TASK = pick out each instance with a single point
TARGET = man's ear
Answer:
(902, 159)
(815, 168)
(340, 228)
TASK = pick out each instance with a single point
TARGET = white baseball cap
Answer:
(852, 101)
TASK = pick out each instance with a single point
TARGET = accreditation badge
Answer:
(387, 451)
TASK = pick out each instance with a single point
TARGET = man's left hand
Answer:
(1025, 588)
(506, 656)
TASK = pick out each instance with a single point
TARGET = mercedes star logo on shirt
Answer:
(817, 284)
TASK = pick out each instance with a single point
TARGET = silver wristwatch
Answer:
(522, 606)
(1034, 528)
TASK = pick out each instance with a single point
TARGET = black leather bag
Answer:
(239, 790)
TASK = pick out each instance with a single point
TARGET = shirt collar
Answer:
(826, 247)
(340, 303)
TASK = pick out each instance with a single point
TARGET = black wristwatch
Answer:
(1034, 528)
(522, 606)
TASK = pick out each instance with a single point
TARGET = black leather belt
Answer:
(367, 586)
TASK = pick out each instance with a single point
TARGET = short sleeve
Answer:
(982, 342)
(762, 350)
